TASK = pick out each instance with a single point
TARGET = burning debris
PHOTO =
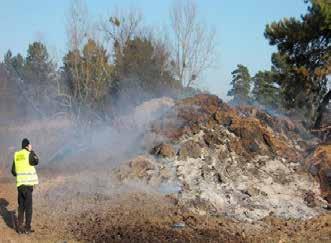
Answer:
(242, 163)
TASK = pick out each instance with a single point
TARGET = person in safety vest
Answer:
(23, 168)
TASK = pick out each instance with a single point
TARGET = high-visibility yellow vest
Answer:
(25, 173)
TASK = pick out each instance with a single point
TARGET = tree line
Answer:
(113, 65)
(299, 77)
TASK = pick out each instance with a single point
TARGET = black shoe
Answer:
(28, 231)
(20, 230)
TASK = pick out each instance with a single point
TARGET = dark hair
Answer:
(25, 142)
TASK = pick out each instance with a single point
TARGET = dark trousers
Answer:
(25, 205)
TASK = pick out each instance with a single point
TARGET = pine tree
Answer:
(241, 83)
(142, 71)
(14, 63)
(38, 66)
(304, 57)
(265, 90)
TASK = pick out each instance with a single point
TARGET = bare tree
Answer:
(77, 25)
(193, 43)
(121, 27)
(77, 34)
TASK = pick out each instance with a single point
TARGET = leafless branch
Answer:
(193, 43)
(121, 27)
(77, 24)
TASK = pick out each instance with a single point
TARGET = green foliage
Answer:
(14, 63)
(241, 83)
(304, 58)
(35, 76)
(38, 67)
(8, 57)
(142, 69)
(325, 6)
(265, 91)
(88, 75)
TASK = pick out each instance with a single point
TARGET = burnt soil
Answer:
(145, 217)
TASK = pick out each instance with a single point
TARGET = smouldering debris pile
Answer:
(239, 162)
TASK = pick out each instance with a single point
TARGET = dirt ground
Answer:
(142, 217)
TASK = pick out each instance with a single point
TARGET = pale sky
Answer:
(239, 25)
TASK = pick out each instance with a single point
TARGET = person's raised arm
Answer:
(33, 158)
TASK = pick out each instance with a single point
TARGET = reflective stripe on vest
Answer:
(25, 173)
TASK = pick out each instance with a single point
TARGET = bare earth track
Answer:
(142, 217)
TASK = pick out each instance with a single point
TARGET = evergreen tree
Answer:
(8, 57)
(304, 58)
(325, 6)
(39, 76)
(14, 63)
(38, 67)
(265, 90)
(142, 71)
(241, 83)
(35, 77)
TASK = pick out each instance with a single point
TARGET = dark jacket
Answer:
(33, 160)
